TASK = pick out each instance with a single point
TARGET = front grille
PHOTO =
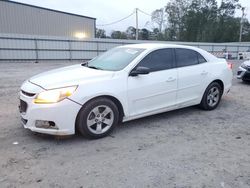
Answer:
(28, 94)
(23, 106)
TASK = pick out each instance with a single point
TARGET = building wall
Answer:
(17, 18)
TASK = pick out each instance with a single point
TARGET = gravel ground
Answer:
(183, 148)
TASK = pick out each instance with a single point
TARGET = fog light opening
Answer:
(45, 124)
(24, 121)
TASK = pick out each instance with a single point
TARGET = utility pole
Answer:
(136, 23)
(241, 22)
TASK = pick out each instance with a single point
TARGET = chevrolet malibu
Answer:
(122, 84)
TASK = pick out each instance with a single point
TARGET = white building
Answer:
(20, 18)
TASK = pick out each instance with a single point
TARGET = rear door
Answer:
(156, 90)
(193, 72)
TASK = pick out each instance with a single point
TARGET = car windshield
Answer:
(115, 59)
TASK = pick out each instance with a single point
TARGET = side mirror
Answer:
(139, 70)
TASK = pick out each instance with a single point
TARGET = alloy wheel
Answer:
(100, 119)
(213, 96)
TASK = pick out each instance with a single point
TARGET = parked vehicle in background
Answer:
(244, 55)
(244, 71)
(122, 84)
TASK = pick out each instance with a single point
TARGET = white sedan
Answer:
(122, 84)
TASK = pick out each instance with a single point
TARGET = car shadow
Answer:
(170, 115)
(126, 126)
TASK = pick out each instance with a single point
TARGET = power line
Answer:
(144, 12)
(115, 22)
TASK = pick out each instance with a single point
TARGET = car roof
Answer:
(157, 46)
(154, 46)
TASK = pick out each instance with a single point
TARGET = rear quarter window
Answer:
(201, 59)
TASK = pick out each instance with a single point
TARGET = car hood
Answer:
(68, 76)
(247, 63)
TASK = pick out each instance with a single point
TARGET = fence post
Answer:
(36, 50)
(97, 47)
(238, 50)
(70, 50)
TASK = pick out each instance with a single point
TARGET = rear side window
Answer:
(158, 60)
(187, 57)
(201, 59)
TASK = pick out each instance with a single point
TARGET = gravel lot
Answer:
(182, 148)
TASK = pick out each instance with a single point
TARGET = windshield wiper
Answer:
(93, 67)
(86, 64)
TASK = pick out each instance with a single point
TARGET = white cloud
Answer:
(109, 10)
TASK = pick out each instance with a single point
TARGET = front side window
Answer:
(115, 59)
(158, 60)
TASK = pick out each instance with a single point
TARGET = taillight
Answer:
(230, 65)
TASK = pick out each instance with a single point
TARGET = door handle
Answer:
(170, 79)
(204, 73)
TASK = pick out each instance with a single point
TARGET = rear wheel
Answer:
(97, 118)
(212, 96)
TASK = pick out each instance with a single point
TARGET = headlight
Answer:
(54, 95)
(244, 66)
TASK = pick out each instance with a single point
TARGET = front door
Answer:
(156, 90)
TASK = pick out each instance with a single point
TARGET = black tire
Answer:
(246, 81)
(84, 116)
(206, 99)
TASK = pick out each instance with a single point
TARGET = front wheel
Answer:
(97, 118)
(212, 96)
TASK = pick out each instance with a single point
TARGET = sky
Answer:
(108, 11)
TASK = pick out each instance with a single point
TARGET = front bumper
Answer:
(62, 114)
(243, 74)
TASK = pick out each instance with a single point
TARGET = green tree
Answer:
(246, 30)
(158, 18)
(176, 9)
(100, 33)
(131, 32)
(144, 34)
(227, 29)
(118, 35)
(200, 20)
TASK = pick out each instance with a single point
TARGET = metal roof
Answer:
(33, 6)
